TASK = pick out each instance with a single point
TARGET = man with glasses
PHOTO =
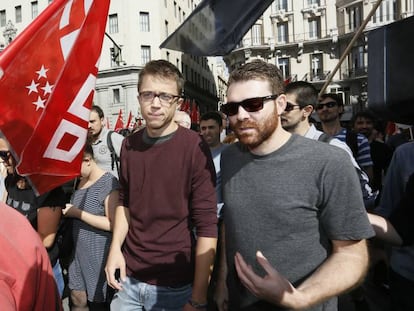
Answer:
(293, 237)
(330, 110)
(167, 189)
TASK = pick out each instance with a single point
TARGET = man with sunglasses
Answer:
(302, 97)
(293, 237)
(167, 188)
(330, 109)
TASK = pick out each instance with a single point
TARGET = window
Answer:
(35, 9)
(314, 28)
(175, 9)
(385, 13)
(358, 60)
(257, 34)
(116, 96)
(280, 5)
(168, 56)
(113, 23)
(316, 66)
(354, 17)
(165, 3)
(310, 2)
(144, 21)
(18, 13)
(282, 32)
(145, 54)
(284, 66)
(166, 29)
(179, 14)
(2, 18)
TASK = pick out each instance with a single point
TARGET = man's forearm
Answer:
(344, 269)
(121, 226)
(204, 260)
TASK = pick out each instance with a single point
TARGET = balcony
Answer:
(316, 77)
(313, 10)
(354, 73)
(256, 42)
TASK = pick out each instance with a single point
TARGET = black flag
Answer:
(215, 27)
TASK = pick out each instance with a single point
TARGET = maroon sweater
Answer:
(169, 188)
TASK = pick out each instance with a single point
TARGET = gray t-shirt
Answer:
(289, 204)
(101, 151)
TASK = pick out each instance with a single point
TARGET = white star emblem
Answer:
(42, 72)
(47, 89)
(32, 87)
(40, 103)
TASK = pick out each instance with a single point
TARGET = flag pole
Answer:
(349, 47)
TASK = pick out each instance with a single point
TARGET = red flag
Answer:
(128, 125)
(185, 106)
(195, 115)
(119, 125)
(47, 78)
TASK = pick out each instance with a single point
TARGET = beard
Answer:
(262, 130)
(290, 126)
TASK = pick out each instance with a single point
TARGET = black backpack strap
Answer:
(351, 140)
(325, 138)
(114, 157)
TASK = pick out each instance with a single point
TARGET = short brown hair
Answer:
(334, 96)
(164, 70)
(259, 70)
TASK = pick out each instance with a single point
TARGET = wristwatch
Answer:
(197, 305)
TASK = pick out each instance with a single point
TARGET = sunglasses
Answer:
(327, 105)
(5, 155)
(250, 105)
(290, 106)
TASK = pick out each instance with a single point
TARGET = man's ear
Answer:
(179, 103)
(281, 104)
(307, 110)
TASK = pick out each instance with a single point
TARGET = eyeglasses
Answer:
(165, 98)
(327, 105)
(290, 106)
(250, 105)
(5, 155)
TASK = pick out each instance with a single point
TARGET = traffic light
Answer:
(116, 54)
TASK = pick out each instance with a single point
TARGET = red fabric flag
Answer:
(47, 78)
(185, 106)
(195, 115)
(391, 129)
(119, 125)
(128, 125)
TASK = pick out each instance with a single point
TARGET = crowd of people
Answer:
(279, 214)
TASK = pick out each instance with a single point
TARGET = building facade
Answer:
(135, 29)
(306, 39)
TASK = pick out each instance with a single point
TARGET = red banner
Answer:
(129, 123)
(47, 81)
(119, 125)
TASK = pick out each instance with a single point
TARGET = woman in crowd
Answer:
(92, 208)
